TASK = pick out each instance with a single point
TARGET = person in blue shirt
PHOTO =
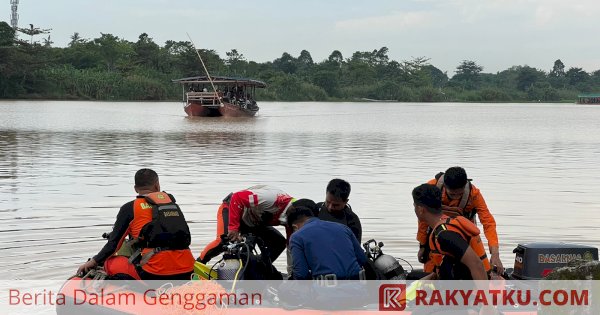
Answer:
(322, 249)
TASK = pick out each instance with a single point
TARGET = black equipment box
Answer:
(536, 260)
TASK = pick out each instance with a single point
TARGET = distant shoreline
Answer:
(109, 68)
(366, 101)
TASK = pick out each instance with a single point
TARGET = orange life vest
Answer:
(464, 200)
(467, 230)
(167, 262)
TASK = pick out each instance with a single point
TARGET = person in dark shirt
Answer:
(455, 259)
(320, 248)
(336, 207)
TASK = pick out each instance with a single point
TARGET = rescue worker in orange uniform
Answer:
(174, 261)
(461, 198)
(452, 239)
(254, 210)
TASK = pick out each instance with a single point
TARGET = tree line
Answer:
(111, 68)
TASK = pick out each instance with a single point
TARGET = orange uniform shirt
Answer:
(477, 203)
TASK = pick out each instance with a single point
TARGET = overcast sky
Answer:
(496, 34)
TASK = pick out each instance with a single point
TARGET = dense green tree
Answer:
(212, 60)
(110, 68)
(595, 79)
(371, 58)
(527, 77)
(76, 40)
(506, 79)
(556, 77)
(47, 41)
(415, 72)
(358, 70)
(438, 78)
(7, 34)
(253, 69)
(576, 76)
(327, 80)
(336, 58)
(285, 64)
(305, 58)
(147, 52)
(304, 66)
(233, 56)
(393, 71)
(467, 75)
(236, 62)
(381, 56)
(558, 70)
(82, 54)
(113, 50)
(183, 58)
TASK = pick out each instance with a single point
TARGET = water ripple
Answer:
(64, 177)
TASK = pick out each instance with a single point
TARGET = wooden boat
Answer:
(220, 96)
(593, 99)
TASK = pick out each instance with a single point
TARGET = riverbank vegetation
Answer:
(111, 68)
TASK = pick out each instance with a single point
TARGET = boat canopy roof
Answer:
(585, 95)
(220, 80)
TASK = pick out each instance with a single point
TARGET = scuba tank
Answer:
(236, 258)
(228, 268)
(386, 266)
(241, 261)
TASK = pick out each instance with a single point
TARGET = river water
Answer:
(67, 167)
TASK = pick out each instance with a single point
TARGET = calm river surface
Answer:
(67, 167)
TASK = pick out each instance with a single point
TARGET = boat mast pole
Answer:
(205, 70)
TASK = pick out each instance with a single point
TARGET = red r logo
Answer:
(392, 297)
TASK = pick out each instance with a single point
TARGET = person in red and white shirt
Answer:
(254, 210)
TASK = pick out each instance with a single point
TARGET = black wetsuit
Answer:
(346, 217)
(124, 217)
